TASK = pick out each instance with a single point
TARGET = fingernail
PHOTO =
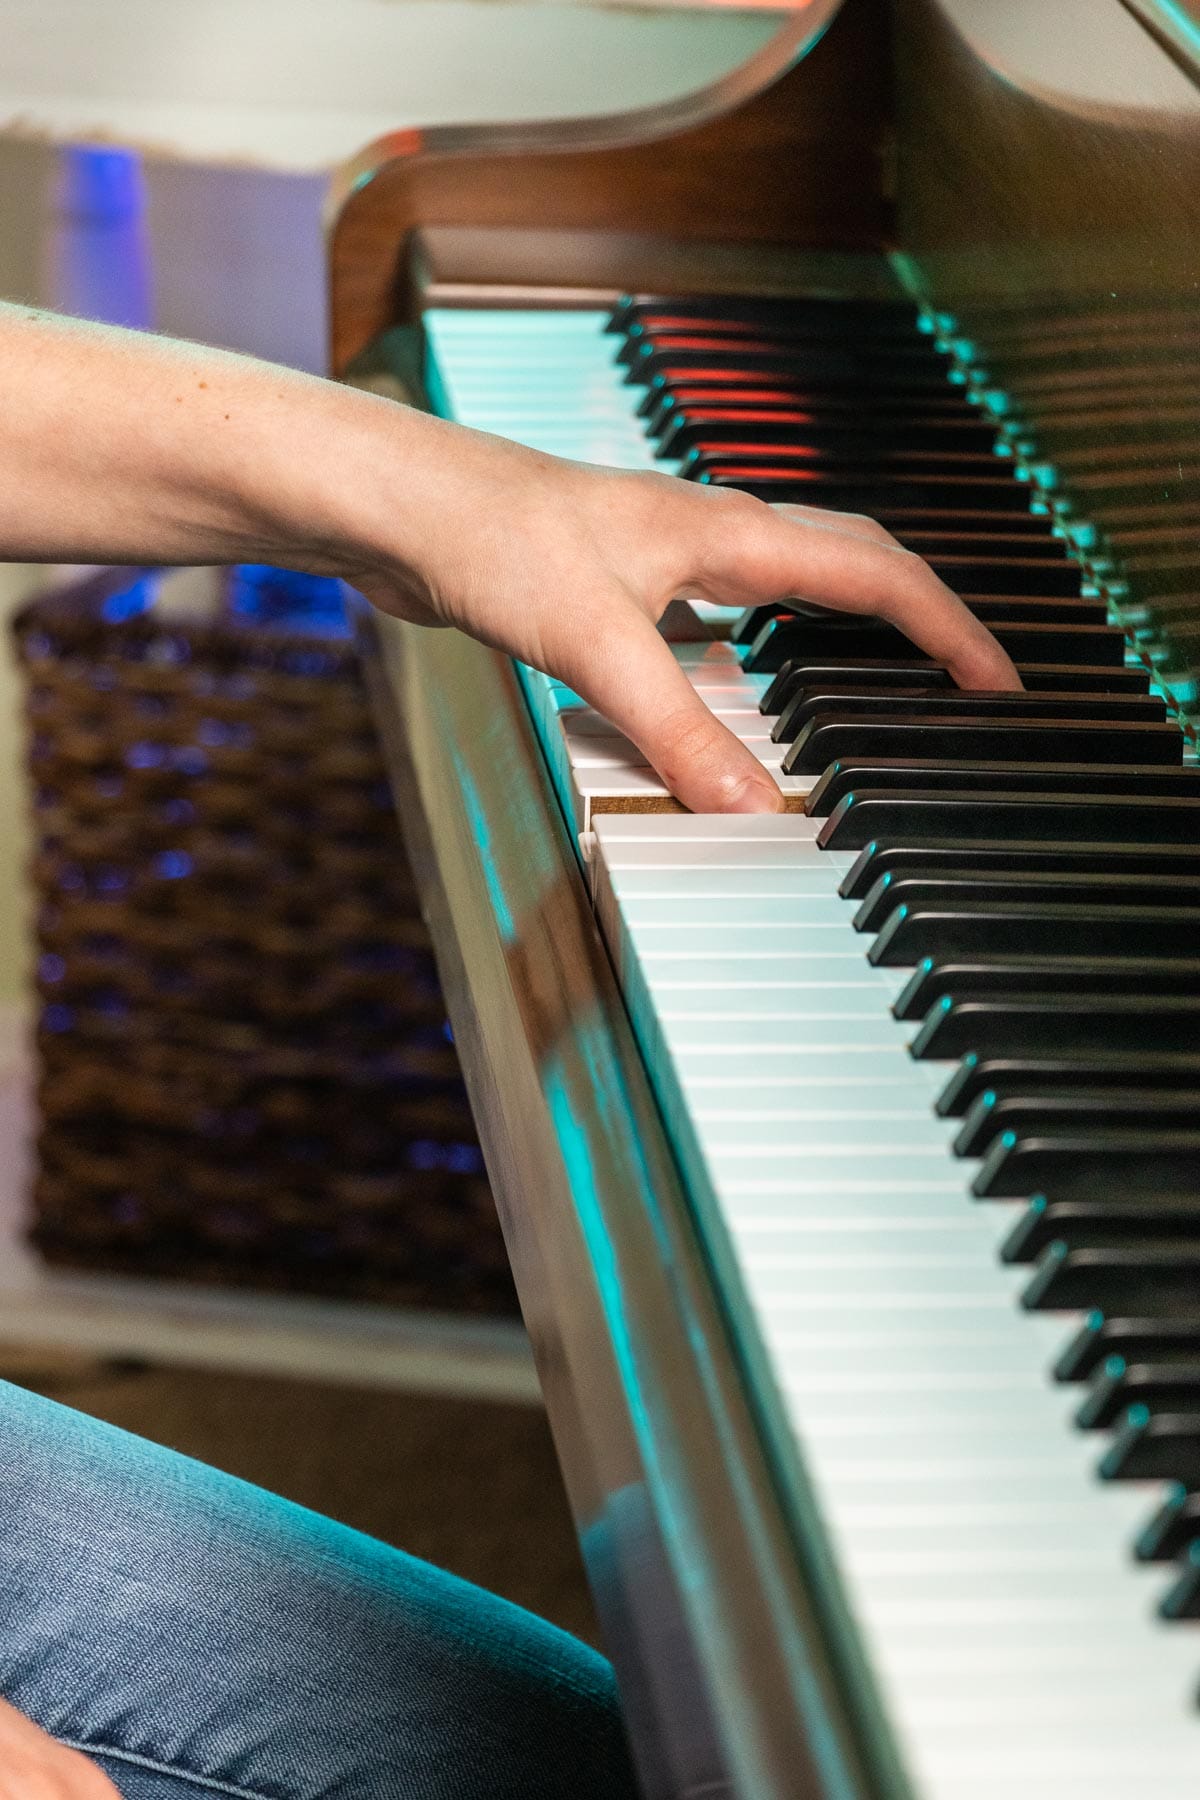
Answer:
(756, 797)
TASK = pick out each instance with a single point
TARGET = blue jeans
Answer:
(199, 1637)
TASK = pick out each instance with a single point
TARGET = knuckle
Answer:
(913, 572)
(736, 527)
(735, 507)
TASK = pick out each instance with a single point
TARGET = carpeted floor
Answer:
(472, 1486)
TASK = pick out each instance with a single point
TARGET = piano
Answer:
(848, 1159)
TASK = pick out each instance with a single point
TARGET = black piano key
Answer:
(1028, 930)
(1156, 1072)
(990, 738)
(1048, 577)
(1063, 1110)
(889, 472)
(1155, 1447)
(1068, 1168)
(1135, 1339)
(729, 337)
(865, 700)
(931, 701)
(1004, 860)
(763, 628)
(1159, 1280)
(1172, 1531)
(918, 776)
(1004, 613)
(724, 389)
(739, 333)
(1059, 887)
(716, 455)
(998, 538)
(899, 368)
(702, 387)
(685, 428)
(910, 521)
(1107, 1222)
(853, 314)
(790, 636)
(792, 325)
(876, 672)
(1182, 1597)
(863, 815)
(1066, 1023)
(752, 619)
(889, 500)
(1015, 1025)
(1119, 1385)
(663, 406)
(1006, 545)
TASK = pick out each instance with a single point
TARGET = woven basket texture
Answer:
(245, 1073)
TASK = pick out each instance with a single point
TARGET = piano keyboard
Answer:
(928, 1046)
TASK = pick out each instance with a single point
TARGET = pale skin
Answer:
(123, 448)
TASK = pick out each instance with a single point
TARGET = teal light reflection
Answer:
(1183, 22)
(477, 818)
(579, 1152)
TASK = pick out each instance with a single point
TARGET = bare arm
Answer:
(119, 447)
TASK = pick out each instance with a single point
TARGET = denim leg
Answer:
(196, 1635)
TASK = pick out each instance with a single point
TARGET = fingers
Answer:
(629, 675)
(854, 524)
(770, 556)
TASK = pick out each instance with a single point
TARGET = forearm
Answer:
(118, 447)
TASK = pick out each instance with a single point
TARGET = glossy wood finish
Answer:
(1176, 25)
(1059, 240)
(739, 1667)
(787, 152)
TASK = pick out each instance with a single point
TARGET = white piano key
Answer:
(744, 721)
(867, 1067)
(736, 974)
(708, 855)
(715, 828)
(793, 1000)
(618, 753)
(740, 693)
(822, 926)
(810, 911)
(798, 882)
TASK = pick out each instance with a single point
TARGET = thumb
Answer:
(631, 677)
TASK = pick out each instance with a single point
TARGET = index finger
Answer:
(783, 557)
(627, 672)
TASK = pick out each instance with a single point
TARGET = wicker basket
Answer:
(245, 1071)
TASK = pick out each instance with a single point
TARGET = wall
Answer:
(236, 252)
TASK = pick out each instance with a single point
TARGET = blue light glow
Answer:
(173, 865)
(137, 598)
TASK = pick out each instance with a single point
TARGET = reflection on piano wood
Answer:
(887, 1136)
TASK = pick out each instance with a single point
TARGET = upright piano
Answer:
(849, 1159)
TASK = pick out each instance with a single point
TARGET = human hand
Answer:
(35, 1766)
(569, 567)
(123, 448)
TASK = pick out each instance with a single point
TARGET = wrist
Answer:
(356, 489)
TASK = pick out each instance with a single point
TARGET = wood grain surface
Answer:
(801, 163)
